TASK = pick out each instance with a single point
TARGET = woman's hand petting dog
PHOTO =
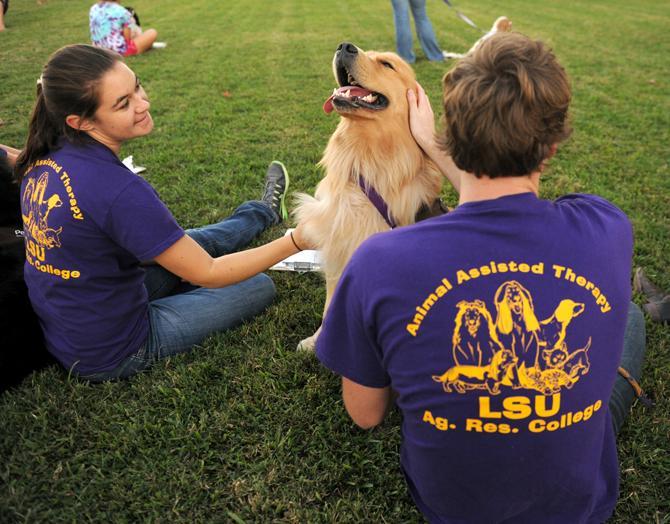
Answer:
(301, 240)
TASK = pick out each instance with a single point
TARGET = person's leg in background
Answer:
(4, 4)
(632, 359)
(145, 40)
(424, 30)
(403, 30)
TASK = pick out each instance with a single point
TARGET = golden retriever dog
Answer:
(376, 176)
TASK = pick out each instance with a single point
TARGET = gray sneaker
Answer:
(659, 311)
(276, 186)
(643, 285)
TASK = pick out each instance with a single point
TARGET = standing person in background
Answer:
(3, 10)
(111, 27)
(424, 30)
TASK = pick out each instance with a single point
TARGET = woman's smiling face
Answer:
(123, 111)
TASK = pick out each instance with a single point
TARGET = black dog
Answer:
(22, 349)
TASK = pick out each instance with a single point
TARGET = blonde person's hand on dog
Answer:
(422, 125)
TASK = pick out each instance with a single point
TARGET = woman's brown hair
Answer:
(68, 86)
(505, 106)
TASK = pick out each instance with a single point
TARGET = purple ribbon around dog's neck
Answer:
(377, 201)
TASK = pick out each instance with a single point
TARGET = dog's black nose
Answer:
(347, 48)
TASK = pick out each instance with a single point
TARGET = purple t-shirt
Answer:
(500, 325)
(88, 222)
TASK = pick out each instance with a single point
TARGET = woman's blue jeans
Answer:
(181, 315)
(424, 30)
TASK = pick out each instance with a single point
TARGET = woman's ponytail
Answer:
(43, 135)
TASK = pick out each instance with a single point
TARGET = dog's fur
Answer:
(22, 348)
(375, 144)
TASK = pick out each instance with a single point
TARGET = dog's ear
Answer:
(529, 318)
(504, 321)
(504, 317)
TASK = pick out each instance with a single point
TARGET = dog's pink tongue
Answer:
(354, 91)
(328, 104)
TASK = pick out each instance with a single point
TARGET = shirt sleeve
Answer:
(347, 344)
(597, 203)
(140, 222)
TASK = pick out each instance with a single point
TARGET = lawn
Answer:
(244, 428)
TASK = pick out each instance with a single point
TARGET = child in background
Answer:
(111, 28)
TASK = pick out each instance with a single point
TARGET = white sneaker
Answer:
(159, 45)
(448, 55)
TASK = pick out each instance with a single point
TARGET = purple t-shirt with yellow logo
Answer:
(500, 325)
(88, 222)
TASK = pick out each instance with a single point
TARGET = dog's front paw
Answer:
(307, 344)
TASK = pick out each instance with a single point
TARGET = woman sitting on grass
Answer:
(90, 222)
(112, 28)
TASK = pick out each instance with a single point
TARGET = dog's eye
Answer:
(387, 64)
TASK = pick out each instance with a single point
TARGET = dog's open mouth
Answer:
(352, 95)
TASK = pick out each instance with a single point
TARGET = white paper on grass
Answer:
(307, 260)
(128, 162)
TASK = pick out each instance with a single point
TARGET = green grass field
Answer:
(244, 428)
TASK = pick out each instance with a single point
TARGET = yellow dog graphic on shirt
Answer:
(36, 212)
(516, 349)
